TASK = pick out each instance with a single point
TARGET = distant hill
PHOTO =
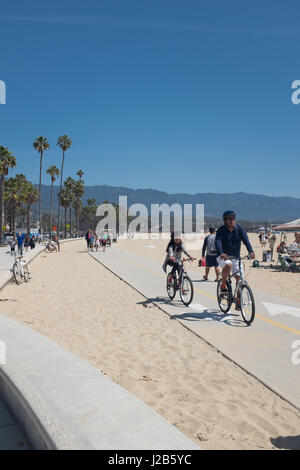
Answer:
(252, 207)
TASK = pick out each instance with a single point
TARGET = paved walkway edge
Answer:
(164, 310)
(62, 402)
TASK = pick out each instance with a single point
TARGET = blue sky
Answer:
(190, 96)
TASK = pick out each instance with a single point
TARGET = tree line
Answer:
(18, 195)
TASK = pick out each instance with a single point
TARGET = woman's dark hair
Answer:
(173, 244)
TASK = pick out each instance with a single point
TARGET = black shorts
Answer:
(211, 261)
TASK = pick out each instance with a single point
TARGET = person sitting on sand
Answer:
(56, 240)
(51, 247)
(297, 239)
(282, 248)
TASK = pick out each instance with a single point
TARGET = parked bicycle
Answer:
(20, 270)
(181, 283)
(242, 296)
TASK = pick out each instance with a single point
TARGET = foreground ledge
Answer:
(63, 402)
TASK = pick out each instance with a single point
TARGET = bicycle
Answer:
(242, 296)
(20, 270)
(182, 283)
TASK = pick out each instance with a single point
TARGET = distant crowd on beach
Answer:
(271, 239)
(94, 242)
(22, 241)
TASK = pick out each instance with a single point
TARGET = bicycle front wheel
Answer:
(171, 288)
(17, 274)
(224, 298)
(26, 274)
(247, 304)
(186, 290)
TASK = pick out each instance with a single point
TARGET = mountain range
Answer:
(252, 207)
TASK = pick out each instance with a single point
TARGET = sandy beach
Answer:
(79, 304)
(269, 279)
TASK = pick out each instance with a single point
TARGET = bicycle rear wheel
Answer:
(17, 274)
(26, 274)
(186, 290)
(171, 289)
(224, 299)
(247, 304)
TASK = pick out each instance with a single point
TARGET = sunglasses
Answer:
(229, 218)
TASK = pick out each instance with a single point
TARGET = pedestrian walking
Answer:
(211, 254)
(20, 241)
(12, 242)
(272, 241)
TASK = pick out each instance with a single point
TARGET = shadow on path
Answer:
(158, 300)
(229, 319)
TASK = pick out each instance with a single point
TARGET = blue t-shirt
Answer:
(230, 242)
(20, 239)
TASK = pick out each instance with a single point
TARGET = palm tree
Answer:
(64, 142)
(78, 193)
(13, 194)
(7, 160)
(69, 184)
(65, 201)
(41, 144)
(80, 174)
(92, 208)
(53, 171)
(29, 195)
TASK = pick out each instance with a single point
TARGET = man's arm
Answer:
(245, 239)
(218, 242)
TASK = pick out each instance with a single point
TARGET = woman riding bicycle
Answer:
(175, 249)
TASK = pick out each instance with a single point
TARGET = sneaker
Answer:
(224, 288)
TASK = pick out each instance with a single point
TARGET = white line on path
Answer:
(277, 309)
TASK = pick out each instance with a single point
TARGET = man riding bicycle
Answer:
(228, 244)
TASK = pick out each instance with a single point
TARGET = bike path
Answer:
(264, 349)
